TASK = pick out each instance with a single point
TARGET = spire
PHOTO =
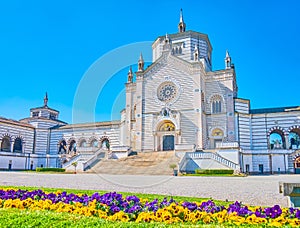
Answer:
(167, 44)
(46, 100)
(141, 63)
(167, 39)
(227, 60)
(181, 25)
(181, 16)
(130, 75)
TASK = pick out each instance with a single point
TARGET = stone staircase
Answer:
(150, 163)
(205, 160)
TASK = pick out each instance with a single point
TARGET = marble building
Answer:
(178, 103)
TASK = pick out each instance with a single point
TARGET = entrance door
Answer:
(168, 142)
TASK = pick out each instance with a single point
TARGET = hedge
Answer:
(49, 170)
(214, 171)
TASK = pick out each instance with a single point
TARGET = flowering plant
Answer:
(114, 207)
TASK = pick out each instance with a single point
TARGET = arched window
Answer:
(5, 145)
(17, 145)
(94, 143)
(167, 126)
(216, 104)
(294, 138)
(62, 147)
(276, 140)
(72, 147)
(82, 143)
(105, 144)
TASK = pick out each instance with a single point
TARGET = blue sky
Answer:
(49, 45)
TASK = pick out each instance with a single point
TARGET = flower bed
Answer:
(114, 207)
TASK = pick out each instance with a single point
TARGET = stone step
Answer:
(154, 163)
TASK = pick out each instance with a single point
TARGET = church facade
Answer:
(178, 103)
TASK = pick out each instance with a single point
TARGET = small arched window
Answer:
(94, 143)
(216, 104)
(83, 143)
(276, 139)
(5, 145)
(18, 145)
(62, 147)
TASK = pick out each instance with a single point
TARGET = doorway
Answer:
(168, 142)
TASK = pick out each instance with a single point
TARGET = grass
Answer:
(210, 175)
(15, 218)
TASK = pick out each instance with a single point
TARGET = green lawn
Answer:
(14, 218)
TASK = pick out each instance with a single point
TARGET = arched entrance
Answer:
(166, 136)
(217, 136)
(297, 165)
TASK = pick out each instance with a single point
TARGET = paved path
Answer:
(255, 190)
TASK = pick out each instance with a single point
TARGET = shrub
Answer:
(49, 170)
(214, 171)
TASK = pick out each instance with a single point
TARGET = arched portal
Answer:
(166, 136)
(83, 143)
(17, 145)
(62, 147)
(72, 146)
(105, 145)
(94, 143)
(217, 136)
(294, 139)
(297, 165)
(276, 139)
(5, 145)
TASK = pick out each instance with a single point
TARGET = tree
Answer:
(75, 165)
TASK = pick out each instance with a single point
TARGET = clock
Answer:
(167, 92)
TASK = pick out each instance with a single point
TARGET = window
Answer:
(83, 143)
(35, 114)
(53, 116)
(62, 147)
(294, 139)
(17, 145)
(5, 145)
(94, 143)
(216, 107)
(105, 144)
(72, 146)
(276, 139)
(216, 104)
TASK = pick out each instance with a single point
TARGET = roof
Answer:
(44, 107)
(15, 122)
(188, 33)
(274, 110)
(96, 124)
(41, 118)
